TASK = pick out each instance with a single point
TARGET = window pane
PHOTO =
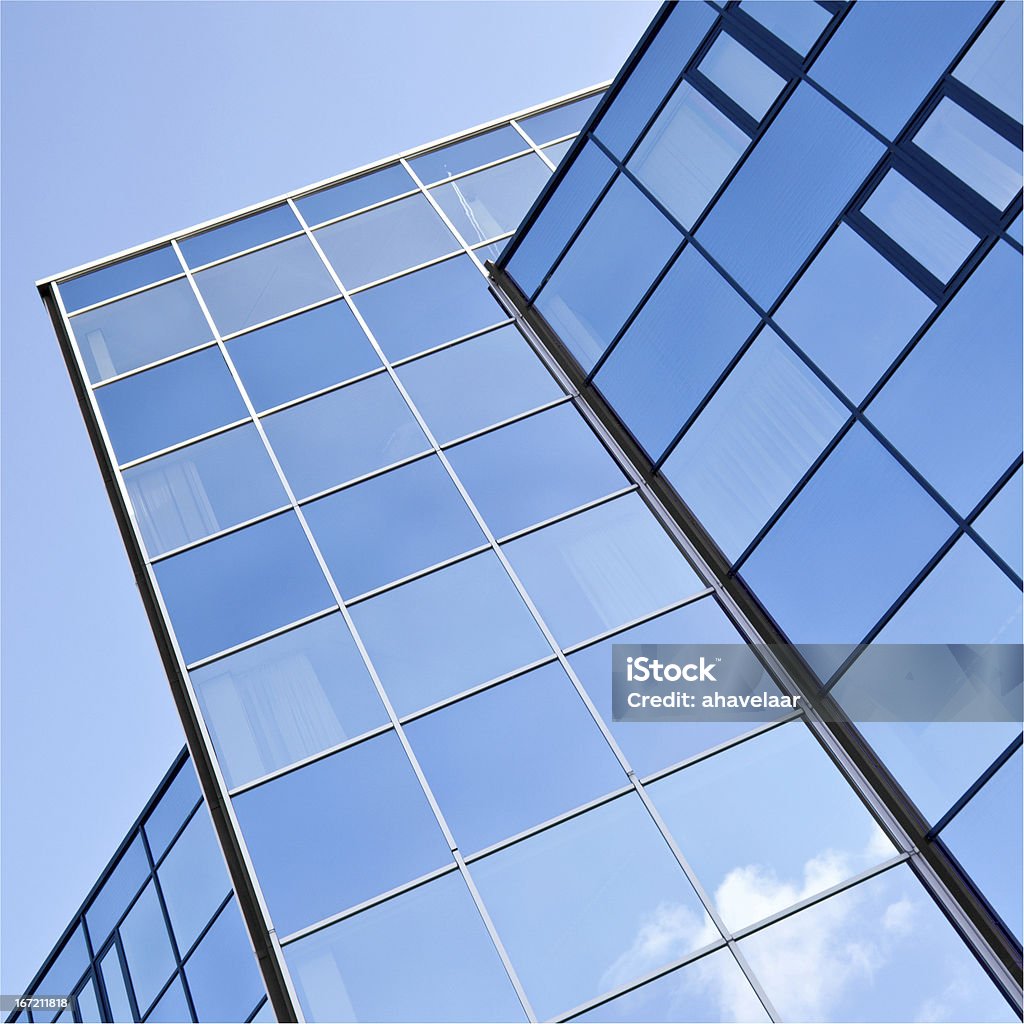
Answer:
(171, 1006)
(379, 819)
(756, 438)
(963, 451)
(242, 585)
(470, 153)
(788, 192)
(797, 23)
(391, 526)
(287, 698)
(1014, 230)
(416, 312)
(479, 382)
(936, 239)
(238, 236)
(880, 951)
(344, 434)
(117, 993)
(908, 46)
(88, 1004)
(276, 280)
(852, 312)
(122, 884)
(601, 569)
(139, 330)
(992, 66)
(494, 201)
(535, 469)
(563, 120)
(674, 350)
(353, 195)
(687, 153)
(302, 354)
(583, 882)
(556, 153)
(610, 266)
(206, 487)
(741, 76)
(147, 947)
(175, 806)
(496, 742)
(385, 241)
(447, 967)
(125, 276)
(169, 404)
(1000, 523)
(448, 631)
(64, 973)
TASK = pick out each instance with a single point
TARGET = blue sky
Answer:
(121, 123)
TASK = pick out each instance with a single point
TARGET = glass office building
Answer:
(393, 485)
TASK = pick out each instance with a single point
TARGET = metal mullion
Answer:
(472, 336)
(534, 148)
(176, 835)
(724, 103)
(571, 513)
(204, 931)
(178, 445)
(364, 477)
(231, 336)
(426, 265)
(328, 389)
(501, 424)
(129, 983)
(226, 532)
(121, 295)
(236, 255)
(1002, 123)
(163, 361)
(355, 213)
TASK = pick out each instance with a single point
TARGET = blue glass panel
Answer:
(114, 983)
(674, 350)
(140, 329)
(496, 742)
(287, 698)
(563, 120)
(175, 806)
(379, 824)
(125, 276)
(796, 22)
(239, 235)
(1014, 230)
(954, 407)
(556, 153)
(908, 46)
(936, 239)
(344, 434)
(608, 903)
(391, 526)
(206, 487)
(480, 382)
(265, 1014)
(687, 153)
(147, 947)
(1000, 523)
(788, 192)
(121, 885)
(992, 66)
(242, 585)
(606, 272)
(663, 61)
(385, 241)
(353, 195)
(88, 1003)
(467, 154)
(422, 956)
(743, 77)
(302, 354)
(756, 438)
(600, 569)
(169, 403)
(172, 1006)
(222, 973)
(441, 303)
(448, 631)
(845, 549)
(268, 283)
(986, 838)
(64, 973)
(852, 312)
(535, 469)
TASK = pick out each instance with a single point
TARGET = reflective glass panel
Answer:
(88, 1004)
(974, 387)
(908, 46)
(1000, 523)
(172, 1006)
(788, 192)
(64, 973)
(601, 569)
(385, 240)
(448, 631)
(915, 222)
(479, 382)
(467, 154)
(391, 526)
(563, 120)
(687, 153)
(992, 66)
(147, 947)
(741, 76)
(608, 903)
(175, 805)
(117, 993)
(674, 351)
(534, 469)
(556, 153)
(268, 283)
(344, 434)
(121, 885)
(302, 354)
(543, 763)
(751, 444)
(242, 585)
(239, 235)
(441, 303)
(1014, 230)
(797, 23)
(287, 698)
(379, 822)
(447, 967)
(206, 487)
(169, 404)
(606, 272)
(353, 195)
(852, 312)
(117, 278)
(494, 201)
